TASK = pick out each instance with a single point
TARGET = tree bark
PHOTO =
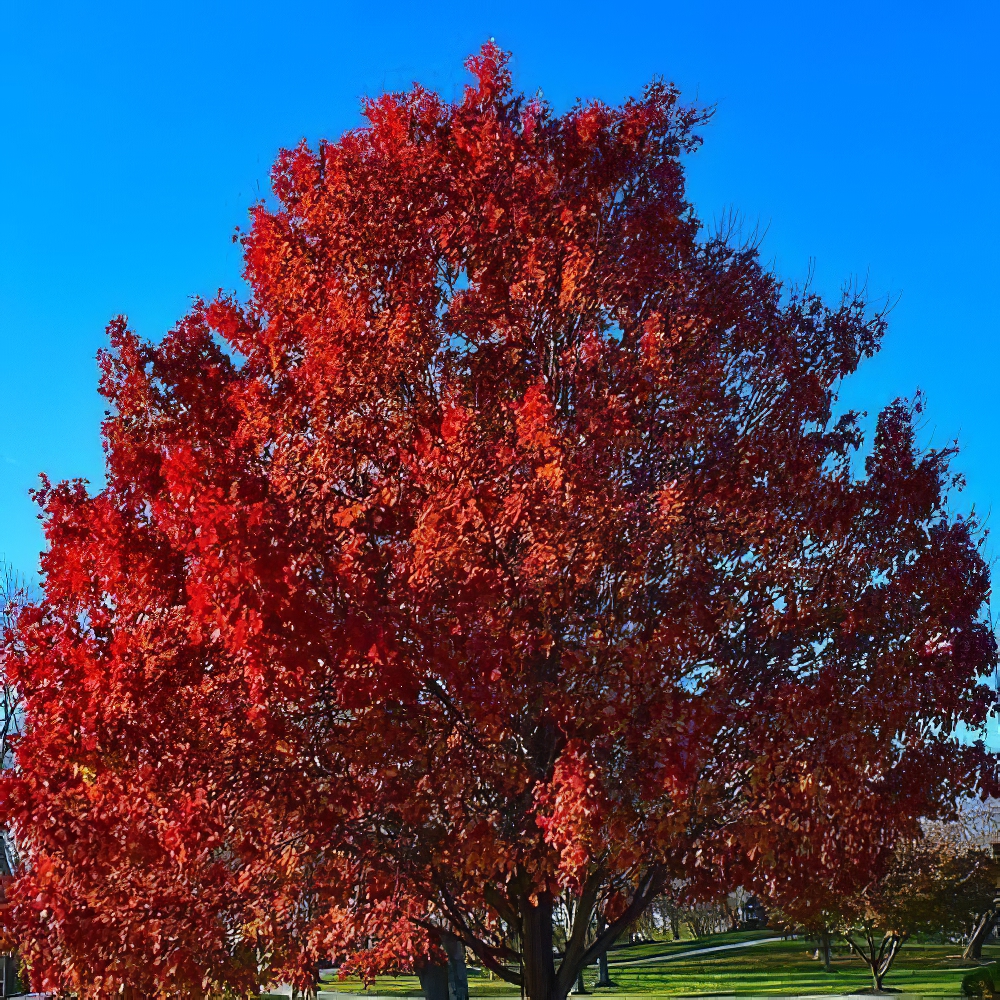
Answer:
(974, 949)
(732, 916)
(450, 981)
(824, 949)
(581, 986)
(434, 981)
(458, 976)
(531, 914)
(603, 979)
(538, 967)
(878, 958)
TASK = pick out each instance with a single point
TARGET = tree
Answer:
(925, 889)
(972, 834)
(705, 918)
(669, 913)
(929, 885)
(504, 548)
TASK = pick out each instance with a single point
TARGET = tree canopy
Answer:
(505, 546)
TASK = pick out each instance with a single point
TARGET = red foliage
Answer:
(502, 546)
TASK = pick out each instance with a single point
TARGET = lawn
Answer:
(788, 967)
(779, 967)
(628, 952)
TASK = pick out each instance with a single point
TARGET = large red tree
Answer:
(503, 547)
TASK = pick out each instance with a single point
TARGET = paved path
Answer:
(694, 951)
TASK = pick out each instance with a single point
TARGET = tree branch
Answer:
(855, 949)
(489, 955)
(650, 885)
(578, 938)
(481, 950)
(494, 898)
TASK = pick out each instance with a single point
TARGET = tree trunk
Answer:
(581, 986)
(434, 981)
(458, 976)
(446, 982)
(9, 971)
(603, 979)
(974, 949)
(732, 916)
(537, 965)
(878, 958)
(889, 956)
(824, 949)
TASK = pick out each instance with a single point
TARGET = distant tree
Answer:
(973, 833)
(668, 911)
(926, 886)
(506, 547)
(706, 918)
(917, 893)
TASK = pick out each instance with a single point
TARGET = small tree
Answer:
(974, 832)
(882, 916)
(925, 885)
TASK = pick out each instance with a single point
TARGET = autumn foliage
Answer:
(504, 546)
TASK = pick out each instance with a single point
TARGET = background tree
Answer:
(928, 885)
(920, 892)
(971, 834)
(668, 912)
(504, 549)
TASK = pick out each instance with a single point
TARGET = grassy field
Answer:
(775, 968)
(630, 952)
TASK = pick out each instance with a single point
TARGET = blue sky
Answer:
(860, 136)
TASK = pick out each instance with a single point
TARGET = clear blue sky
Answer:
(134, 135)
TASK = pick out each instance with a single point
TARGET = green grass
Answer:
(781, 967)
(787, 967)
(403, 986)
(625, 953)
